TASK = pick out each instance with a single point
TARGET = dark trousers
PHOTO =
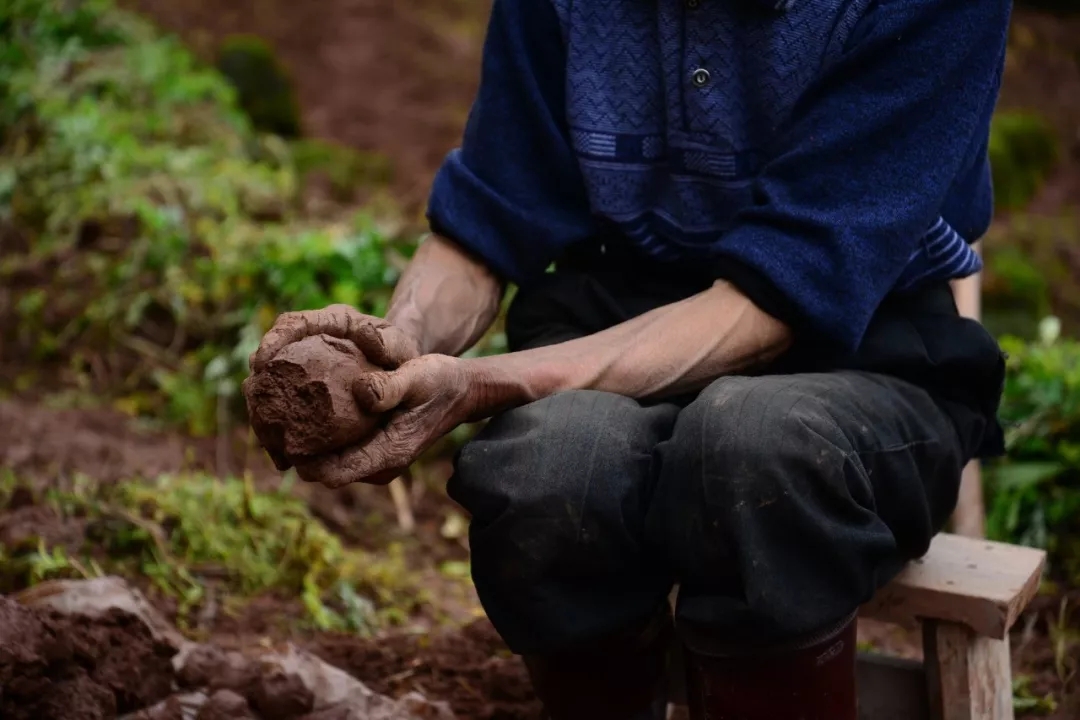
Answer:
(778, 502)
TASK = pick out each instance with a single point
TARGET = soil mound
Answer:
(471, 669)
(57, 667)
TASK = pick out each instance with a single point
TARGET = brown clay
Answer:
(334, 712)
(225, 705)
(302, 405)
(56, 667)
(238, 674)
(201, 666)
(171, 709)
(279, 696)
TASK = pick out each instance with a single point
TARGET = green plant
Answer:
(186, 533)
(1026, 700)
(1032, 270)
(1023, 150)
(262, 84)
(345, 168)
(157, 234)
(1034, 493)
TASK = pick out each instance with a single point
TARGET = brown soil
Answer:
(301, 404)
(54, 667)
(54, 445)
(225, 705)
(394, 78)
(470, 668)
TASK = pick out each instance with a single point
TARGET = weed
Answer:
(186, 533)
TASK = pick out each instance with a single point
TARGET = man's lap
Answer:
(777, 502)
(818, 482)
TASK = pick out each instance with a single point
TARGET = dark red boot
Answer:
(623, 677)
(809, 680)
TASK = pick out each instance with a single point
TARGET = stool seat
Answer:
(979, 584)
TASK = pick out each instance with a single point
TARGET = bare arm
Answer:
(446, 299)
(673, 349)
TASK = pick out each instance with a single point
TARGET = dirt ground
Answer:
(55, 667)
(455, 658)
(394, 78)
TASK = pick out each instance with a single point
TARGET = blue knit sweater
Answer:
(819, 154)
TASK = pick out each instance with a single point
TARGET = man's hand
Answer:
(428, 396)
(382, 343)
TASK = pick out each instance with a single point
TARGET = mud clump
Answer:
(58, 667)
(301, 404)
(225, 705)
(211, 668)
(471, 669)
(279, 696)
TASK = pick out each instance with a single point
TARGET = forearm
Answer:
(446, 299)
(673, 349)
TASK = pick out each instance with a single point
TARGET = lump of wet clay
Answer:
(203, 664)
(282, 696)
(301, 404)
(225, 705)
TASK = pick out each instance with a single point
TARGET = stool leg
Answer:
(968, 676)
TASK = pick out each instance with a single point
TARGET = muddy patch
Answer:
(56, 667)
(471, 669)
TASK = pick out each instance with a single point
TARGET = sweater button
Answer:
(700, 77)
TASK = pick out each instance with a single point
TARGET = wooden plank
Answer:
(981, 584)
(969, 518)
(891, 688)
(968, 676)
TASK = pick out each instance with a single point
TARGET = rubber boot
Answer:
(809, 680)
(623, 677)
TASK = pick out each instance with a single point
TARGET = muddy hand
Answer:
(428, 397)
(382, 343)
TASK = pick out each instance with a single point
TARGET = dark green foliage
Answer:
(345, 168)
(172, 529)
(1032, 271)
(1034, 493)
(263, 87)
(1017, 296)
(1023, 152)
(160, 235)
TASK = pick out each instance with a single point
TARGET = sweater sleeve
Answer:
(865, 163)
(513, 194)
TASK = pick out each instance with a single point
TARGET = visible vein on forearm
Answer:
(445, 298)
(670, 350)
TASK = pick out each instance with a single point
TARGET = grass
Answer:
(188, 532)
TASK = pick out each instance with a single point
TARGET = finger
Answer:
(399, 347)
(377, 461)
(340, 321)
(381, 392)
(288, 328)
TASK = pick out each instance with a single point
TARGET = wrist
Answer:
(501, 382)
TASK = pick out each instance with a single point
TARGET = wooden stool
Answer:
(966, 594)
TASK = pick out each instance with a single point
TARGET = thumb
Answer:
(380, 392)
